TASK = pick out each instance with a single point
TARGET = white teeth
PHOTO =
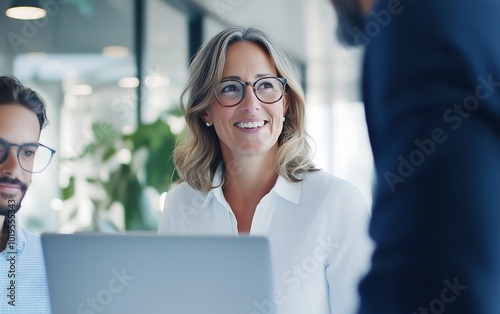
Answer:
(249, 125)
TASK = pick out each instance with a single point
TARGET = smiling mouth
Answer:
(250, 125)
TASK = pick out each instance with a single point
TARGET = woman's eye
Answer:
(265, 85)
(230, 88)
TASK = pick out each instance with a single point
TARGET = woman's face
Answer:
(251, 127)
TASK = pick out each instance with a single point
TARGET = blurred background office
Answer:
(111, 72)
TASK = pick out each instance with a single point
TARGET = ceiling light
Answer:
(25, 10)
(115, 51)
(128, 82)
(36, 55)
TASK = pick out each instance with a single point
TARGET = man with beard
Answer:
(431, 81)
(22, 271)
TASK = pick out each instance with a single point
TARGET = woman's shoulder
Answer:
(325, 185)
(321, 179)
(182, 189)
(182, 192)
(341, 196)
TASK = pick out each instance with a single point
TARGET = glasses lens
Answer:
(34, 158)
(268, 89)
(3, 151)
(229, 93)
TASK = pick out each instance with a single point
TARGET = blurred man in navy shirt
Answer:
(431, 83)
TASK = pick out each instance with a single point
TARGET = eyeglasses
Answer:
(32, 157)
(268, 90)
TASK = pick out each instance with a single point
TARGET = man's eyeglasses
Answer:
(268, 90)
(32, 157)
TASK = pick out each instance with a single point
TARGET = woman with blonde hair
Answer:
(246, 167)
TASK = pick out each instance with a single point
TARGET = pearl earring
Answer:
(283, 119)
(208, 124)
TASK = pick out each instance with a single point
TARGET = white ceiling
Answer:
(284, 20)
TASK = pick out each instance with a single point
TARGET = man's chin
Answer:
(6, 208)
(8, 200)
(5, 211)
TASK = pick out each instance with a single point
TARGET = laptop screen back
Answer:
(102, 273)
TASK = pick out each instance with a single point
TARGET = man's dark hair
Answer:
(12, 91)
(350, 17)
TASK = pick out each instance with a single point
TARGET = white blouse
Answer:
(317, 229)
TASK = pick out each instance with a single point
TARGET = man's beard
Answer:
(5, 210)
(349, 16)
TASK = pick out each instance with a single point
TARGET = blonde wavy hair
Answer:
(198, 154)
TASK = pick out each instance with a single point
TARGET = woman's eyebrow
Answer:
(235, 77)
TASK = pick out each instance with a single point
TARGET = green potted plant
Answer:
(124, 168)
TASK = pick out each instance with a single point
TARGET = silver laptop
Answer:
(148, 274)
